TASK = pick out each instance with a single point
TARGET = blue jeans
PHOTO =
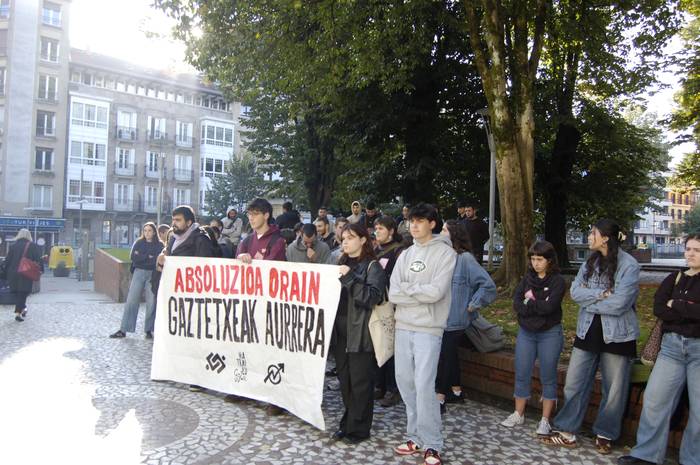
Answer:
(615, 373)
(545, 346)
(416, 357)
(140, 281)
(678, 363)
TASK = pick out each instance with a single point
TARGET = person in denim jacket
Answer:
(472, 289)
(606, 289)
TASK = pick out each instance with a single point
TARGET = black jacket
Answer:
(363, 288)
(197, 244)
(390, 252)
(144, 254)
(17, 282)
(478, 234)
(684, 315)
(544, 312)
(288, 220)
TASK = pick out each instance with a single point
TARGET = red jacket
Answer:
(254, 246)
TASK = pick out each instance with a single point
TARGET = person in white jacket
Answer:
(233, 227)
(420, 289)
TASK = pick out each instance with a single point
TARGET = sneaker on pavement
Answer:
(544, 428)
(515, 419)
(407, 448)
(432, 457)
(452, 398)
(118, 335)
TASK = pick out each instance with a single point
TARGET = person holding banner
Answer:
(363, 281)
(420, 289)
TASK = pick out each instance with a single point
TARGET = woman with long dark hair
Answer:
(472, 289)
(363, 286)
(677, 304)
(537, 304)
(389, 247)
(144, 254)
(21, 286)
(606, 289)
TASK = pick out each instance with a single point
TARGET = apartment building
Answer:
(33, 99)
(679, 206)
(139, 139)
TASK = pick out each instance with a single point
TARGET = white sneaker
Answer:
(544, 428)
(515, 419)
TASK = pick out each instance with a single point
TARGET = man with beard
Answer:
(325, 234)
(477, 228)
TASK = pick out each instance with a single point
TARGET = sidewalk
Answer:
(70, 395)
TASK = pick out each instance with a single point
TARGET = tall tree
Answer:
(507, 40)
(240, 183)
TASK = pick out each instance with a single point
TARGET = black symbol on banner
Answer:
(215, 362)
(274, 373)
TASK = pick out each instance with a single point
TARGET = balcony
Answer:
(124, 205)
(157, 137)
(184, 142)
(183, 175)
(166, 207)
(127, 133)
(155, 173)
(121, 169)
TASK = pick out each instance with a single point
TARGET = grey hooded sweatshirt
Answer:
(421, 284)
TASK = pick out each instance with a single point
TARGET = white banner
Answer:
(260, 331)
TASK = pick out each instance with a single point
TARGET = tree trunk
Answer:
(556, 189)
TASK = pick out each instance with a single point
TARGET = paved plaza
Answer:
(71, 395)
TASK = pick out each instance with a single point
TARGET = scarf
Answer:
(181, 238)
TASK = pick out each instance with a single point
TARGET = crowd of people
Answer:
(430, 270)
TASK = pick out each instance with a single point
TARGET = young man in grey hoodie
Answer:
(420, 289)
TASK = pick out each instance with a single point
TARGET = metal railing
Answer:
(157, 137)
(124, 169)
(181, 141)
(183, 175)
(127, 133)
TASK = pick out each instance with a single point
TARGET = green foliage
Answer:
(241, 183)
(692, 221)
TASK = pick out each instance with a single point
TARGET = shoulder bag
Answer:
(28, 268)
(653, 345)
(382, 328)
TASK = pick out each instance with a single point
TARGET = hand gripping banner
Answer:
(260, 331)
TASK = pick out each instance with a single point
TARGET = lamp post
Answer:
(484, 113)
(161, 167)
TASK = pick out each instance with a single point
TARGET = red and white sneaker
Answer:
(407, 448)
(432, 457)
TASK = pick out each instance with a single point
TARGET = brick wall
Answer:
(112, 276)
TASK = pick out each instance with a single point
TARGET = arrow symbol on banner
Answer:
(274, 373)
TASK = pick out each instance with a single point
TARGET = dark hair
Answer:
(151, 225)
(186, 211)
(322, 219)
(459, 236)
(262, 206)
(544, 249)
(308, 230)
(367, 252)
(163, 228)
(219, 223)
(606, 265)
(340, 219)
(213, 232)
(288, 235)
(370, 206)
(323, 208)
(390, 224)
(694, 236)
(467, 204)
(423, 211)
(297, 227)
(287, 206)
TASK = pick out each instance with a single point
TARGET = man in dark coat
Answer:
(20, 286)
(289, 217)
(477, 228)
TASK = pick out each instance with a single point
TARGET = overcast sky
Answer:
(117, 28)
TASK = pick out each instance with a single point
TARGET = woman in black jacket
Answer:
(144, 254)
(20, 286)
(363, 284)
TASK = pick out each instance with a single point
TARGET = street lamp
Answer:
(161, 167)
(82, 201)
(484, 113)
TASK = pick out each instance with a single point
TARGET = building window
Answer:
(87, 153)
(42, 196)
(182, 196)
(183, 135)
(91, 191)
(126, 120)
(161, 94)
(123, 194)
(211, 167)
(4, 9)
(124, 158)
(151, 197)
(673, 197)
(43, 159)
(99, 81)
(122, 232)
(217, 135)
(45, 123)
(106, 231)
(3, 42)
(48, 86)
(75, 77)
(49, 49)
(151, 92)
(2, 81)
(51, 14)
(156, 128)
(140, 90)
(84, 114)
(88, 79)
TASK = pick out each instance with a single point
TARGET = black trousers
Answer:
(386, 377)
(20, 301)
(448, 366)
(356, 375)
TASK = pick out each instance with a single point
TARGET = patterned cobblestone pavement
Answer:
(71, 395)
